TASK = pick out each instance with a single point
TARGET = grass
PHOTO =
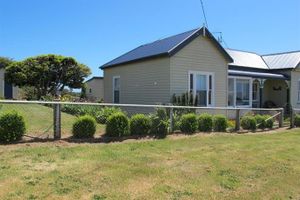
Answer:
(217, 166)
(39, 119)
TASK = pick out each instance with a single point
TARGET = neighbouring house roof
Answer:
(165, 47)
(246, 59)
(94, 77)
(286, 60)
(264, 75)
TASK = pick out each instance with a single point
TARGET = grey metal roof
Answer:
(257, 74)
(246, 59)
(285, 60)
(94, 77)
(164, 47)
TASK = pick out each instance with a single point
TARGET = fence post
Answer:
(292, 118)
(281, 118)
(57, 121)
(237, 120)
(171, 120)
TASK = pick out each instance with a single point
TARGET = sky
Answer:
(97, 31)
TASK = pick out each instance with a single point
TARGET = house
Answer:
(195, 62)
(95, 89)
(7, 90)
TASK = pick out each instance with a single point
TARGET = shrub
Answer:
(270, 122)
(261, 121)
(220, 123)
(84, 127)
(12, 127)
(205, 122)
(248, 123)
(102, 115)
(188, 123)
(140, 124)
(117, 125)
(159, 126)
(297, 120)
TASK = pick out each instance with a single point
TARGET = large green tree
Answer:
(47, 74)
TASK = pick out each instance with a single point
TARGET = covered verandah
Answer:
(258, 89)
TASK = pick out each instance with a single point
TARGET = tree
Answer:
(4, 62)
(47, 74)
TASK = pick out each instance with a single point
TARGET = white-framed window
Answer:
(201, 85)
(239, 92)
(299, 91)
(116, 89)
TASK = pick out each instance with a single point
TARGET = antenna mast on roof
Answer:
(204, 15)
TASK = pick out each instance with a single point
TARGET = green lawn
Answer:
(223, 166)
(39, 119)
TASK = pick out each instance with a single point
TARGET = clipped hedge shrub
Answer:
(220, 123)
(12, 127)
(248, 123)
(102, 115)
(84, 127)
(117, 125)
(205, 122)
(297, 120)
(188, 123)
(140, 124)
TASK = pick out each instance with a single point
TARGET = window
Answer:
(90, 90)
(116, 89)
(299, 91)
(239, 92)
(201, 85)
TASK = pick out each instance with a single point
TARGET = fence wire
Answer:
(39, 116)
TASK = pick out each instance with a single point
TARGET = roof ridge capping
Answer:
(280, 53)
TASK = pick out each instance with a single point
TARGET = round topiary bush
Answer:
(84, 127)
(12, 127)
(140, 124)
(220, 123)
(205, 122)
(297, 120)
(117, 125)
(248, 123)
(188, 123)
(102, 115)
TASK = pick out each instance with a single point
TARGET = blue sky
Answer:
(96, 31)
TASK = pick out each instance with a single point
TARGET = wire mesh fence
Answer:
(50, 119)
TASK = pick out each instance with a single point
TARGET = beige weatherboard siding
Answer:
(200, 55)
(144, 82)
(95, 89)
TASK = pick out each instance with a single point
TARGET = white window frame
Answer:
(298, 91)
(207, 74)
(234, 94)
(113, 88)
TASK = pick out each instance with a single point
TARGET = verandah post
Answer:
(57, 121)
(237, 120)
